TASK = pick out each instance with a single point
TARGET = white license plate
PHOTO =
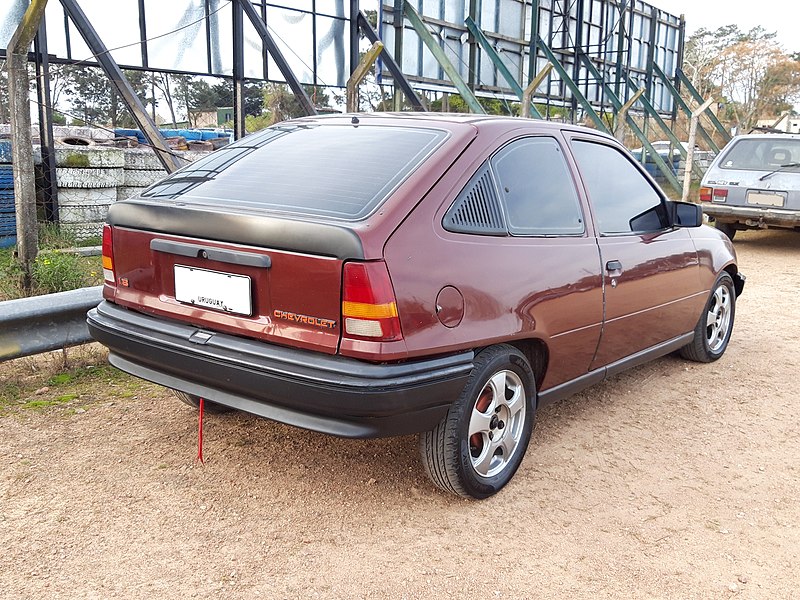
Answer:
(765, 199)
(211, 289)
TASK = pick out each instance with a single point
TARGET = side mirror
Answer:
(685, 214)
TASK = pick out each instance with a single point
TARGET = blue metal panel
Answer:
(8, 216)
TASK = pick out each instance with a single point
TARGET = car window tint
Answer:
(623, 200)
(763, 154)
(537, 189)
(337, 171)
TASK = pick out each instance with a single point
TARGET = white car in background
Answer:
(754, 183)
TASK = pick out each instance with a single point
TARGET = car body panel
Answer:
(278, 309)
(655, 296)
(554, 284)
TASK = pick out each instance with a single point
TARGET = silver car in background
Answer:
(754, 183)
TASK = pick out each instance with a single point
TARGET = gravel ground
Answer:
(674, 480)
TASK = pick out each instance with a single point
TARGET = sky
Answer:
(781, 16)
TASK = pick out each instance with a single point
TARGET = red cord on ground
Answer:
(200, 434)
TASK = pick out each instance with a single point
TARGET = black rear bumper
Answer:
(331, 394)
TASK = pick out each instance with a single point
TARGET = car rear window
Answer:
(763, 154)
(337, 171)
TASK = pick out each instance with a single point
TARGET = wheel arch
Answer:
(538, 355)
(738, 279)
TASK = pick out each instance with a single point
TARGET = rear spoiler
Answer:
(252, 229)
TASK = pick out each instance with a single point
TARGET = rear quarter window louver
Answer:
(477, 208)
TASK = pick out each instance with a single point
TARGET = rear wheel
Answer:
(479, 445)
(194, 401)
(713, 330)
(728, 229)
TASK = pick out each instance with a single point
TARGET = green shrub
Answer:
(58, 272)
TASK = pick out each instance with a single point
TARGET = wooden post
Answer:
(21, 139)
(687, 172)
(622, 115)
(527, 95)
(358, 75)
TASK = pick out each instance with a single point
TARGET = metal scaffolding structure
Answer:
(601, 52)
(490, 41)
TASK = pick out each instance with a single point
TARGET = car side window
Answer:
(536, 188)
(623, 200)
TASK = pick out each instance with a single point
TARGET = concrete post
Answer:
(21, 140)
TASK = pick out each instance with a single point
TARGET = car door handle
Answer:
(614, 265)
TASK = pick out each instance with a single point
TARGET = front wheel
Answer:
(479, 445)
(713, 330)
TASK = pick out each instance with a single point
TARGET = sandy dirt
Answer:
(674, 480)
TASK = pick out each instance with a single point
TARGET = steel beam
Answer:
(620, 44)
(681, 50)
(397, 73)
(354, 53)
(143, 34)
(534, 35)
(700, 100)
(498, 62)
(294, 83)
(44, 323)
(238, 72)
(576, 92)
(427, 38)
(49, 186)
(473, 46)
(679, 101)
(398, 24)
(121, 84)
(617, 104)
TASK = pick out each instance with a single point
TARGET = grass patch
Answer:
(40, 404)
(61, 379)
(33, 385)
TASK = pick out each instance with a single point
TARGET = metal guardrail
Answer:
(44, 323)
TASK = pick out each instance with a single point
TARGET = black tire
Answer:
(194, 402)
(728, 229)
(711, 338)
(474, 464)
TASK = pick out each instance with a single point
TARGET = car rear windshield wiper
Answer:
(781, 168)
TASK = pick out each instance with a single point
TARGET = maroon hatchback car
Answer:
(377, 275)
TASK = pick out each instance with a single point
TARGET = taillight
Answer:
(108, 256)
(369, 309)
(708, 194)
